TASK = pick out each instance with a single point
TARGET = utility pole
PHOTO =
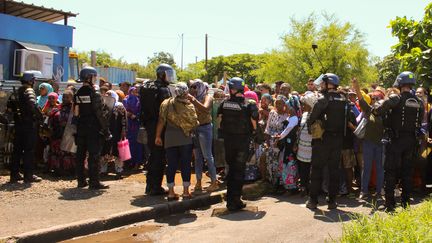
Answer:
(182, 51)
(93, 58)
(206, 50)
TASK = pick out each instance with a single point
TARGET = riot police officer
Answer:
(238, 123)
(92, 128)
(27, 118)
(331, 110)
(404, 113)
(152, 93)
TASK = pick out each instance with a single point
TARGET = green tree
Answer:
(341, 49)
(162, 57)
(388, 69)
(237, 65)
(415, 43)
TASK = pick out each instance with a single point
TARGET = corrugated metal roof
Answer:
(37, 47)
(31, 11)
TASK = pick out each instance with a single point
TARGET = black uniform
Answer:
(333, 110)
(404, 115)
(92, 129)
(237, 130)
(152, 94)
(26, 117)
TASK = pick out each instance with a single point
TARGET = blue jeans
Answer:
(179, 155)
(203, 150)
(372, 152)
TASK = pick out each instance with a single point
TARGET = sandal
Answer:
(187, 196)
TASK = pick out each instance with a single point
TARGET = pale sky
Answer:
(135, 29)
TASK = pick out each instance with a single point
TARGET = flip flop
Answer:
(187, 196)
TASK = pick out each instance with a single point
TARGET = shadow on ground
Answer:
(72, 194)
(177, 219)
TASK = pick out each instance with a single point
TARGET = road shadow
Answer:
(243, 215)
(147, 200)
(333, 216)
(9, 187)
(178, 219)
(74, 194)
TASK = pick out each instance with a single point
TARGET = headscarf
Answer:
(181, 91)
(132, 102)
(251, 95)
(201, 89)
(121, 95)
(309, 99)
(42, 100)
(179, 111)
(115, 96)
(47, 107)
(282, 98)
(268, 97)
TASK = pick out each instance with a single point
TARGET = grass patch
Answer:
(410, 225)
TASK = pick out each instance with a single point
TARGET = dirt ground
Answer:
(53, 201)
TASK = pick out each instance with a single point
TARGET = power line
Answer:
(124, 33)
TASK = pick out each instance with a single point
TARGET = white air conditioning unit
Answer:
(33, 60)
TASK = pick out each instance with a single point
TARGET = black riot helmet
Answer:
(237, 84)
(404, 78)
(328, 78)
(166, 73)
(87, 74)
(30, 76)
(331, 78)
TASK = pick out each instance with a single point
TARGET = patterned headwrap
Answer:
(282, 98)
(181, 90)
(201, 89)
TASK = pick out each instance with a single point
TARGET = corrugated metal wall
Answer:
(116, 75)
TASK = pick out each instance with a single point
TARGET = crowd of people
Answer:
(329, 139)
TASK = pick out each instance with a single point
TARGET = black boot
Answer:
(98, 186)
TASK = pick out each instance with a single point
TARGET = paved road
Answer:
(277, 219)
(54, 202)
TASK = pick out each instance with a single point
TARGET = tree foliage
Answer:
(414, 49)
(341, 49)
(237, 65)
(388, 69)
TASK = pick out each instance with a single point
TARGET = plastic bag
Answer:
(124, 151)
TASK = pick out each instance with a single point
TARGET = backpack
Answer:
(150, 101)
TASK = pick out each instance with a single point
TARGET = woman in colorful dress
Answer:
(132, 105)
(275, 126)
(287, 164)
(60, 162)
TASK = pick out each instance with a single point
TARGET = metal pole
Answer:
(93, 58)
(206, 50)
(182, 52)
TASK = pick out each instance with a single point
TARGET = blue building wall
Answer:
(116, 75)
(57, 37)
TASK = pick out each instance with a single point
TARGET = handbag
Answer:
(142, 136)
(361, 128)
(123, 150)
(68, 139)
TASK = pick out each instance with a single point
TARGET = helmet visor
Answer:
(171, 76)
(319, 80)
